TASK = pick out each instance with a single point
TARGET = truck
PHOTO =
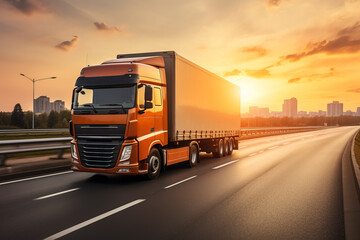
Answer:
(142, 112)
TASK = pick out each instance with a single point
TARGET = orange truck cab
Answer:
(142, 112)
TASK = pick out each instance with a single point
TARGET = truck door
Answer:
(159, 114)
(146, 124)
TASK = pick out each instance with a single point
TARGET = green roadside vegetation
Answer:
(357, 148)
(18, 136)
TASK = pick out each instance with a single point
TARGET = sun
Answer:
(250, 91)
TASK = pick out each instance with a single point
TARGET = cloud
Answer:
(106, 28)
(274, 3)
(350, 30)
(355, 90)
(234, 72)
(294, 80)
(261, 73)
(67, 45)
(342, 44)
(27, 7)
(260, 51)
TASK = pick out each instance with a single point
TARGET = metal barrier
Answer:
(43, 144)
(33, 145)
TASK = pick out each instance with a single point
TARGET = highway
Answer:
(278, 187)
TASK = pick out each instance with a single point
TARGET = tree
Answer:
(28, 119)
(53, 119)
(17, 116)
(41, 120)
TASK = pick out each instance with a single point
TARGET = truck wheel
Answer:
(226, 148)
(193, 156)
(154, 164)
(220, 150)
(231, 146)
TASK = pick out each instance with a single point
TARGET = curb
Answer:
(350, 187)
(355, 164)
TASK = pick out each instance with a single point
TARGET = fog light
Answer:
(126, 153)
(123, 170)
(74, 168)
(73, 151)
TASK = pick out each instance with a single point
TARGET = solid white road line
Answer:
(55, 194)
(285, 143)
(242, 147)
(32, 178)
(250, 155)
(261, 151)
(180, 182)
(225, 164)
(92, 220)
(273, 147)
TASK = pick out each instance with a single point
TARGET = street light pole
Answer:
(33, 80)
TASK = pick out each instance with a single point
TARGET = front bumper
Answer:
(132, 166)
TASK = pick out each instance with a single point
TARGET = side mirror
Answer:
(148, 105)
(148, 93)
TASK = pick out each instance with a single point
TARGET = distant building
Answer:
(290, 107)
(322, 113)
(42, 104)
(276, 114)
(255, 111)
(335, 109)
(349, 113)
(58, 106)
(302, 114)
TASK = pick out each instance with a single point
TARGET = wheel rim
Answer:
(226, 148)
(154, 164)
(231, 146)
(221, 146)
(193, 157)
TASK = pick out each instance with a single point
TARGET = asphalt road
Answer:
(279, 187)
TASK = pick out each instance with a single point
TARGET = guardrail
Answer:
(43, 144)
(33, 145)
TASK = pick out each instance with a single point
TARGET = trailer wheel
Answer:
(193, 155)
(220, 151)
(154, 164)
(226, 148)
(231, 146)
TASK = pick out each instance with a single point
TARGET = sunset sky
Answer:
(274, 49)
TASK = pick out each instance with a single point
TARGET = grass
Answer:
(15, 136)
(357, 148)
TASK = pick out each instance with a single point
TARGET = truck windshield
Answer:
(105, 97)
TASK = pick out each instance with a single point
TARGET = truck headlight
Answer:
(73, 151)
(126, 153)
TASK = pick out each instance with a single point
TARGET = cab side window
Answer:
(140, 97)
(157, 97)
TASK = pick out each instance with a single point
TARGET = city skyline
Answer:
(290, 109)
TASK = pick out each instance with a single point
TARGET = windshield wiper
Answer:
(90, 105)
(115, 104)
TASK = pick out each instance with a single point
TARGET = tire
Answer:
(226, 147)
(231, 146)
(220, 151)
(193, 156)
(154, 164)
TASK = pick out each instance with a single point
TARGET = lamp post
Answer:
(33, 81)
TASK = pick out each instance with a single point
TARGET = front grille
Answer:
(99, 153)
